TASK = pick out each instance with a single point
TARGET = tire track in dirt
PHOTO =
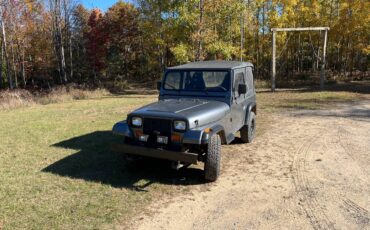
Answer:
(360, 214)
(307, 197)
(343, 135)
(355, 211)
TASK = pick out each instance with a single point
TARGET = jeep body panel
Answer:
(241, 105)
(205, 112)
(196, 112)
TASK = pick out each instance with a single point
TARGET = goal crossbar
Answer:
(299, 29)
(274, 30)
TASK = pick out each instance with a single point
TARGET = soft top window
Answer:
(197, 80)
(173, 80)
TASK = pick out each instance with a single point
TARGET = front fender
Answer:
(200, 136)
(193, 137)
(122, 128)
(215, 129)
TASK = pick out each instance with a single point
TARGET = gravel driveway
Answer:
(310, 170)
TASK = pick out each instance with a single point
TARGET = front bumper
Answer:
(184, 157)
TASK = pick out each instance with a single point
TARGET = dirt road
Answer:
(309, 171)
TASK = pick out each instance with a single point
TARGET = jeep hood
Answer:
(196, 111)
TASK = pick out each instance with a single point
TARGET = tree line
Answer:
(50, 42)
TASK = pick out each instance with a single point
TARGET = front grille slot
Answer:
(153, 126)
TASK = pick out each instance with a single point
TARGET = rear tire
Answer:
(212, 164)
(248, 132)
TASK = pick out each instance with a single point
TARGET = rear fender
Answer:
(252, 107)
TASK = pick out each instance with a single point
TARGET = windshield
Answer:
(197, 80)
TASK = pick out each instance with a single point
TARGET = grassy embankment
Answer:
(57, 169)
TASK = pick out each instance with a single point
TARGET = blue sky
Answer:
(102, 4)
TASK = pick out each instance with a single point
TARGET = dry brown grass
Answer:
(14, 99)
(21, 98)
(63, 94)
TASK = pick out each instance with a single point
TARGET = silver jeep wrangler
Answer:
(201, 106)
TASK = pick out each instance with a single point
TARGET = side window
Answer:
(239, 79)
(250, 78)
(173, 80)
(215, 79)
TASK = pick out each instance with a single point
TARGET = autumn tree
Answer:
(56, 29)
(68, 9)
(79, 34)
(120, 25)
(96, 41)
(4, 6)
(44, 43)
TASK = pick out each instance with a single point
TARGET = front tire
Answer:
(212, 164)
(248, 132)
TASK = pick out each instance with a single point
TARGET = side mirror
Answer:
(242, 89)
(159, 85)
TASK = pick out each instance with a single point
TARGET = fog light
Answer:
(143, 138)
(162, 140)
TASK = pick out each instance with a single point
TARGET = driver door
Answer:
(238, 101)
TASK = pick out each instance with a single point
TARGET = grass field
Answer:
(57, 170)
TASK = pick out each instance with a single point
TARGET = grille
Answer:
(152, 125)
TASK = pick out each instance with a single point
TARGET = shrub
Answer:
(20, 98)
(13, 99)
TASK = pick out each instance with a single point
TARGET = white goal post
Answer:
(275, 30)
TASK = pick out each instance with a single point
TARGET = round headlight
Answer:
(180, 125)
(137, 121)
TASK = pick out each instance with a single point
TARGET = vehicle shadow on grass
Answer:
(96, 161)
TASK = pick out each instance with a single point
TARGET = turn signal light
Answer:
(175, 138)
(138, 133)
(207, 130)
